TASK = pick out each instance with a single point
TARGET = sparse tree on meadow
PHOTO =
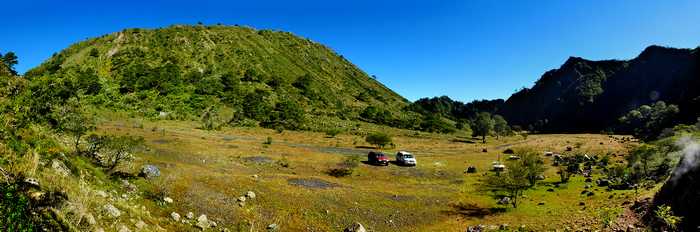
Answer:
(512, 182)
(379, 139)
(73, 120)
(119, 149)
(483, 125)
(500, 127)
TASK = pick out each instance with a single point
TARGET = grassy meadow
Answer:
(205, 172)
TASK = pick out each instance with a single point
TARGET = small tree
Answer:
(73, 120)
(534, 166)
(644, 154)
(210, 118)
(665, 215)
(483, 125)
(119, 149)
(379, 139)
(500, 126)
(512, 182)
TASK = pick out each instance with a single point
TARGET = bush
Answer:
(346, 167)
(331, 133)
(379, 139)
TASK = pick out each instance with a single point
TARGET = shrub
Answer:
(331, 133)
(379, 139)
(346, 167)
(665, 215)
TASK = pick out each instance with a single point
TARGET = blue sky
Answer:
(464, 49)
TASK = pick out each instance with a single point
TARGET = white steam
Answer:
(690, 157)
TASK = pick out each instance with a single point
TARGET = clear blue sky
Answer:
(464, 49)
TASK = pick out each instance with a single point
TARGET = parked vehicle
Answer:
(405, 158)
(375, 157)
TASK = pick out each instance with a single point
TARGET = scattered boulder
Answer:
(101, 193)
(241, 199)
(123, 228)
(32, 182)
(149, 171)
(168, 200)
(89, 219)
(355, 227)
(202, 222)
(273, 227)
(189, 215)
(140, 225)
(175, 216)
(250, 194)
(60, 167)
(476, 228)
(504, 201)
(111, 210)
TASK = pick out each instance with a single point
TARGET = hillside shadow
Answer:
(460, 140)
(365, 147)
(471, 210)
(372, 163)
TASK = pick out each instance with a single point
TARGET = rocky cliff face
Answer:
(584, 95)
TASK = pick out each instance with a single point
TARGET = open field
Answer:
(206, 171)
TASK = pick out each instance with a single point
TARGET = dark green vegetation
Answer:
(270, 77)
(591, 96)
(641, 96)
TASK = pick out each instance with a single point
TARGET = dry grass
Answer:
(210, 169)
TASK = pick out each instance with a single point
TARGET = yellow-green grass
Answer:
(206, 171)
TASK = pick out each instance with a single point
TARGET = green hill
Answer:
(183, 70)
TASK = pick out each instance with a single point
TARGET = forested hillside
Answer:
(592, 96)
(264, 76)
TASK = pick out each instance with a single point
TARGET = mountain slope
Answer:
(184, 69)
(584, 95)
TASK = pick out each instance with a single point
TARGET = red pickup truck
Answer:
(378, 158)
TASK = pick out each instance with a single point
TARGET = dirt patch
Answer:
(161, 141)
(312, 183)
(258, 159)
(470, 210)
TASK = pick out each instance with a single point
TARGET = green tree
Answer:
(533, 164)
(210, 118)
(379, 139)
(288, 115)
(648, 121)
(10, 60)
(643, 155)
(482, 125)
(512, 182)
(119, 149)
(72, 119)
(500, 126)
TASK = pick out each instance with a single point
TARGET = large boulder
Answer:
(149, 171)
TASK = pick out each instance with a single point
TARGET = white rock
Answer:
(250, 194)
(112, 211)
(90, 219)
(241, 198)
(175, 216)
(355, 227)
(168, 200)
(140, 224)
(101, 193)
(123, 228)
(202, 222)
(189, 215)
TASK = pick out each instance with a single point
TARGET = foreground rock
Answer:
(112, 211)
(355, 227)
(149, 171)
(203, 222)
